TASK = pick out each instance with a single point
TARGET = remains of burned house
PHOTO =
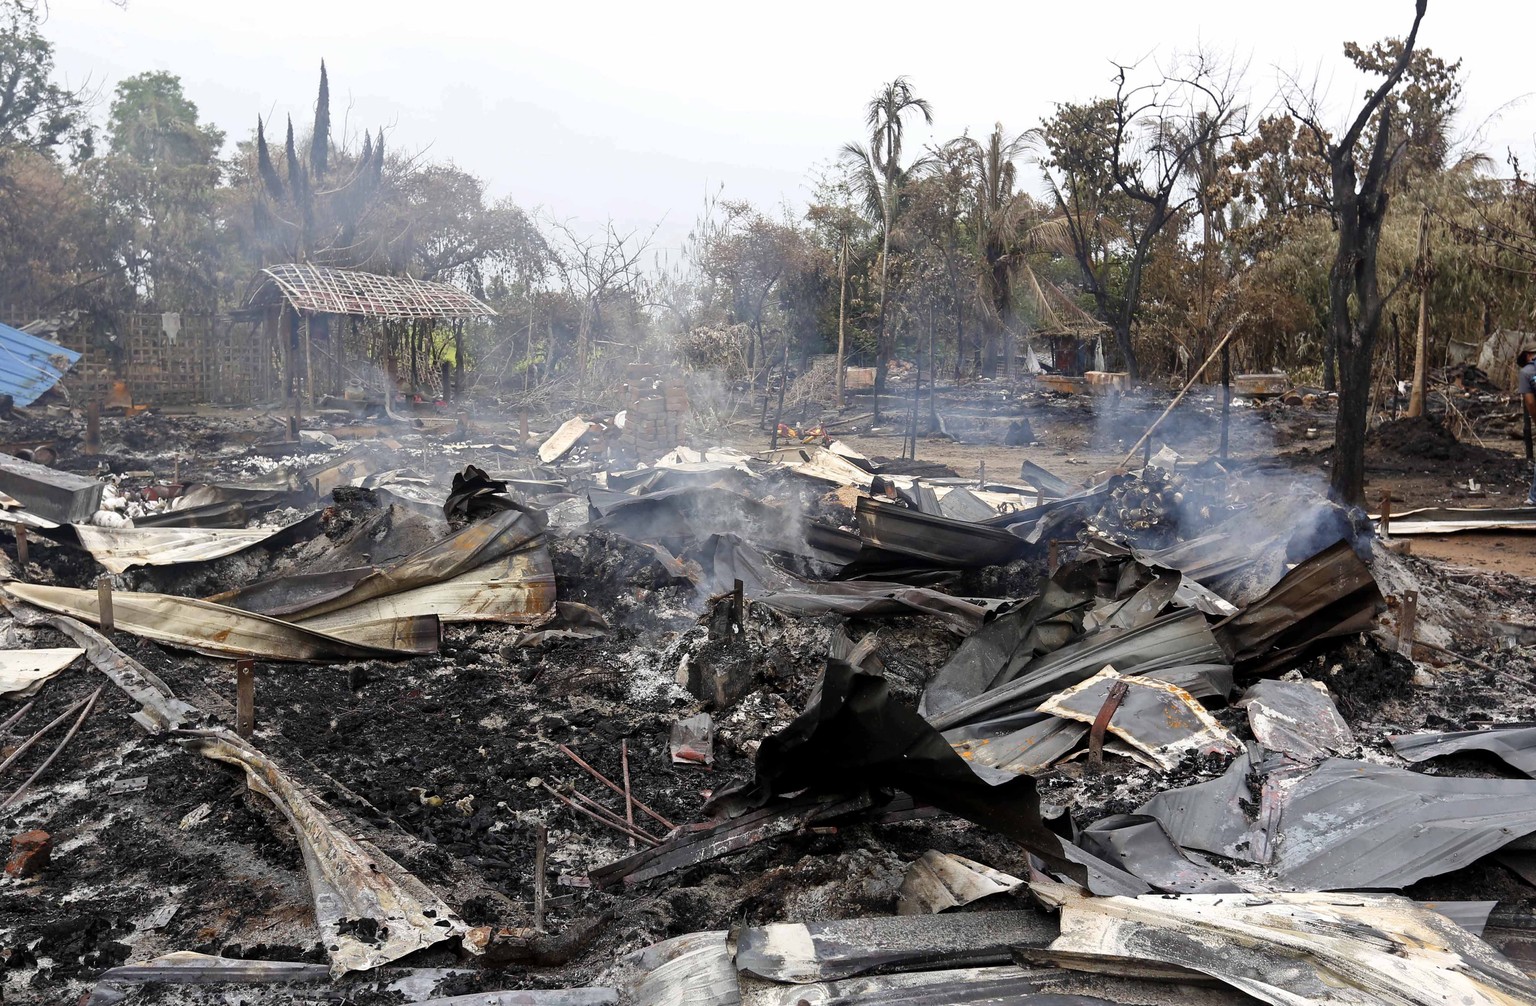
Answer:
(550, 715)
(1077, 562)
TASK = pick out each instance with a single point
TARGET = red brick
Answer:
(29, 853)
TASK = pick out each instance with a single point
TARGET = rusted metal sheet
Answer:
(1160, 719)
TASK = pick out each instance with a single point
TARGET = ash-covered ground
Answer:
(443, 760)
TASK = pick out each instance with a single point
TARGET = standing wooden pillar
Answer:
(309, 365)
(458, 359)
(344, 326)
(245, 698)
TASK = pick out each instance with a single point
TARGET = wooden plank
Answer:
(62, 497)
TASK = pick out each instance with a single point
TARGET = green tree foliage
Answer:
(160, 176)
(35, 112)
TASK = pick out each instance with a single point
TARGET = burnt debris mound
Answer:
(552, 712)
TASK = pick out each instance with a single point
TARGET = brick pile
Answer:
(657, 411)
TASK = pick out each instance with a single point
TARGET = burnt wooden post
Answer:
(778, 415)
(93, 428)
(1407, 614)
(245, 698)
(1386, 513)
(104, 604)
(540, 851)
(21, 549)
(1226, 397)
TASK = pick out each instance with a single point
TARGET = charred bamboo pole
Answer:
(540, 854)
(309, 365)
(26, 745)
(573, 756)
(1226, 398)
(85, 710)
(1177, 398)
(14, 717)
(629, 797)
(615, 825)
(778, 414)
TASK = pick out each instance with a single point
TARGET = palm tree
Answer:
(882, 178)
(1008, 228)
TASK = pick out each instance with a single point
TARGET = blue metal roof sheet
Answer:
(29, 366)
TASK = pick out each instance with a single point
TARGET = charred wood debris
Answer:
(556, 711)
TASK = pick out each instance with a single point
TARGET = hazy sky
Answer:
(635, 110)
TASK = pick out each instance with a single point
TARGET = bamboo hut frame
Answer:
(295, 298)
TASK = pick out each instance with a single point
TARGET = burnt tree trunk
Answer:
(1359, 207)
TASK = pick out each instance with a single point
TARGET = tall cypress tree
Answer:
(319, 149)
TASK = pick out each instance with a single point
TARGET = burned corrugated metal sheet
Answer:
(1515, 746)
(228, 632)
(1451, 520)
(1291, 949)
(1330, 594)
(118, 549)
(942, 880)
(695, 969)
(867, 599)
(1044, 482)
(994, 986)
(1223, 815)
(351, 880)
(854, 735)
(23, 671)
(1157, 718)
(1026, 750)
(495, 569)
(1011, 639)
(1349, 825)
(1346, 825)
(1139, 845)
(822, 951)
(1297, 718)
(29, 366)
(939, 541)
(1179, 638)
